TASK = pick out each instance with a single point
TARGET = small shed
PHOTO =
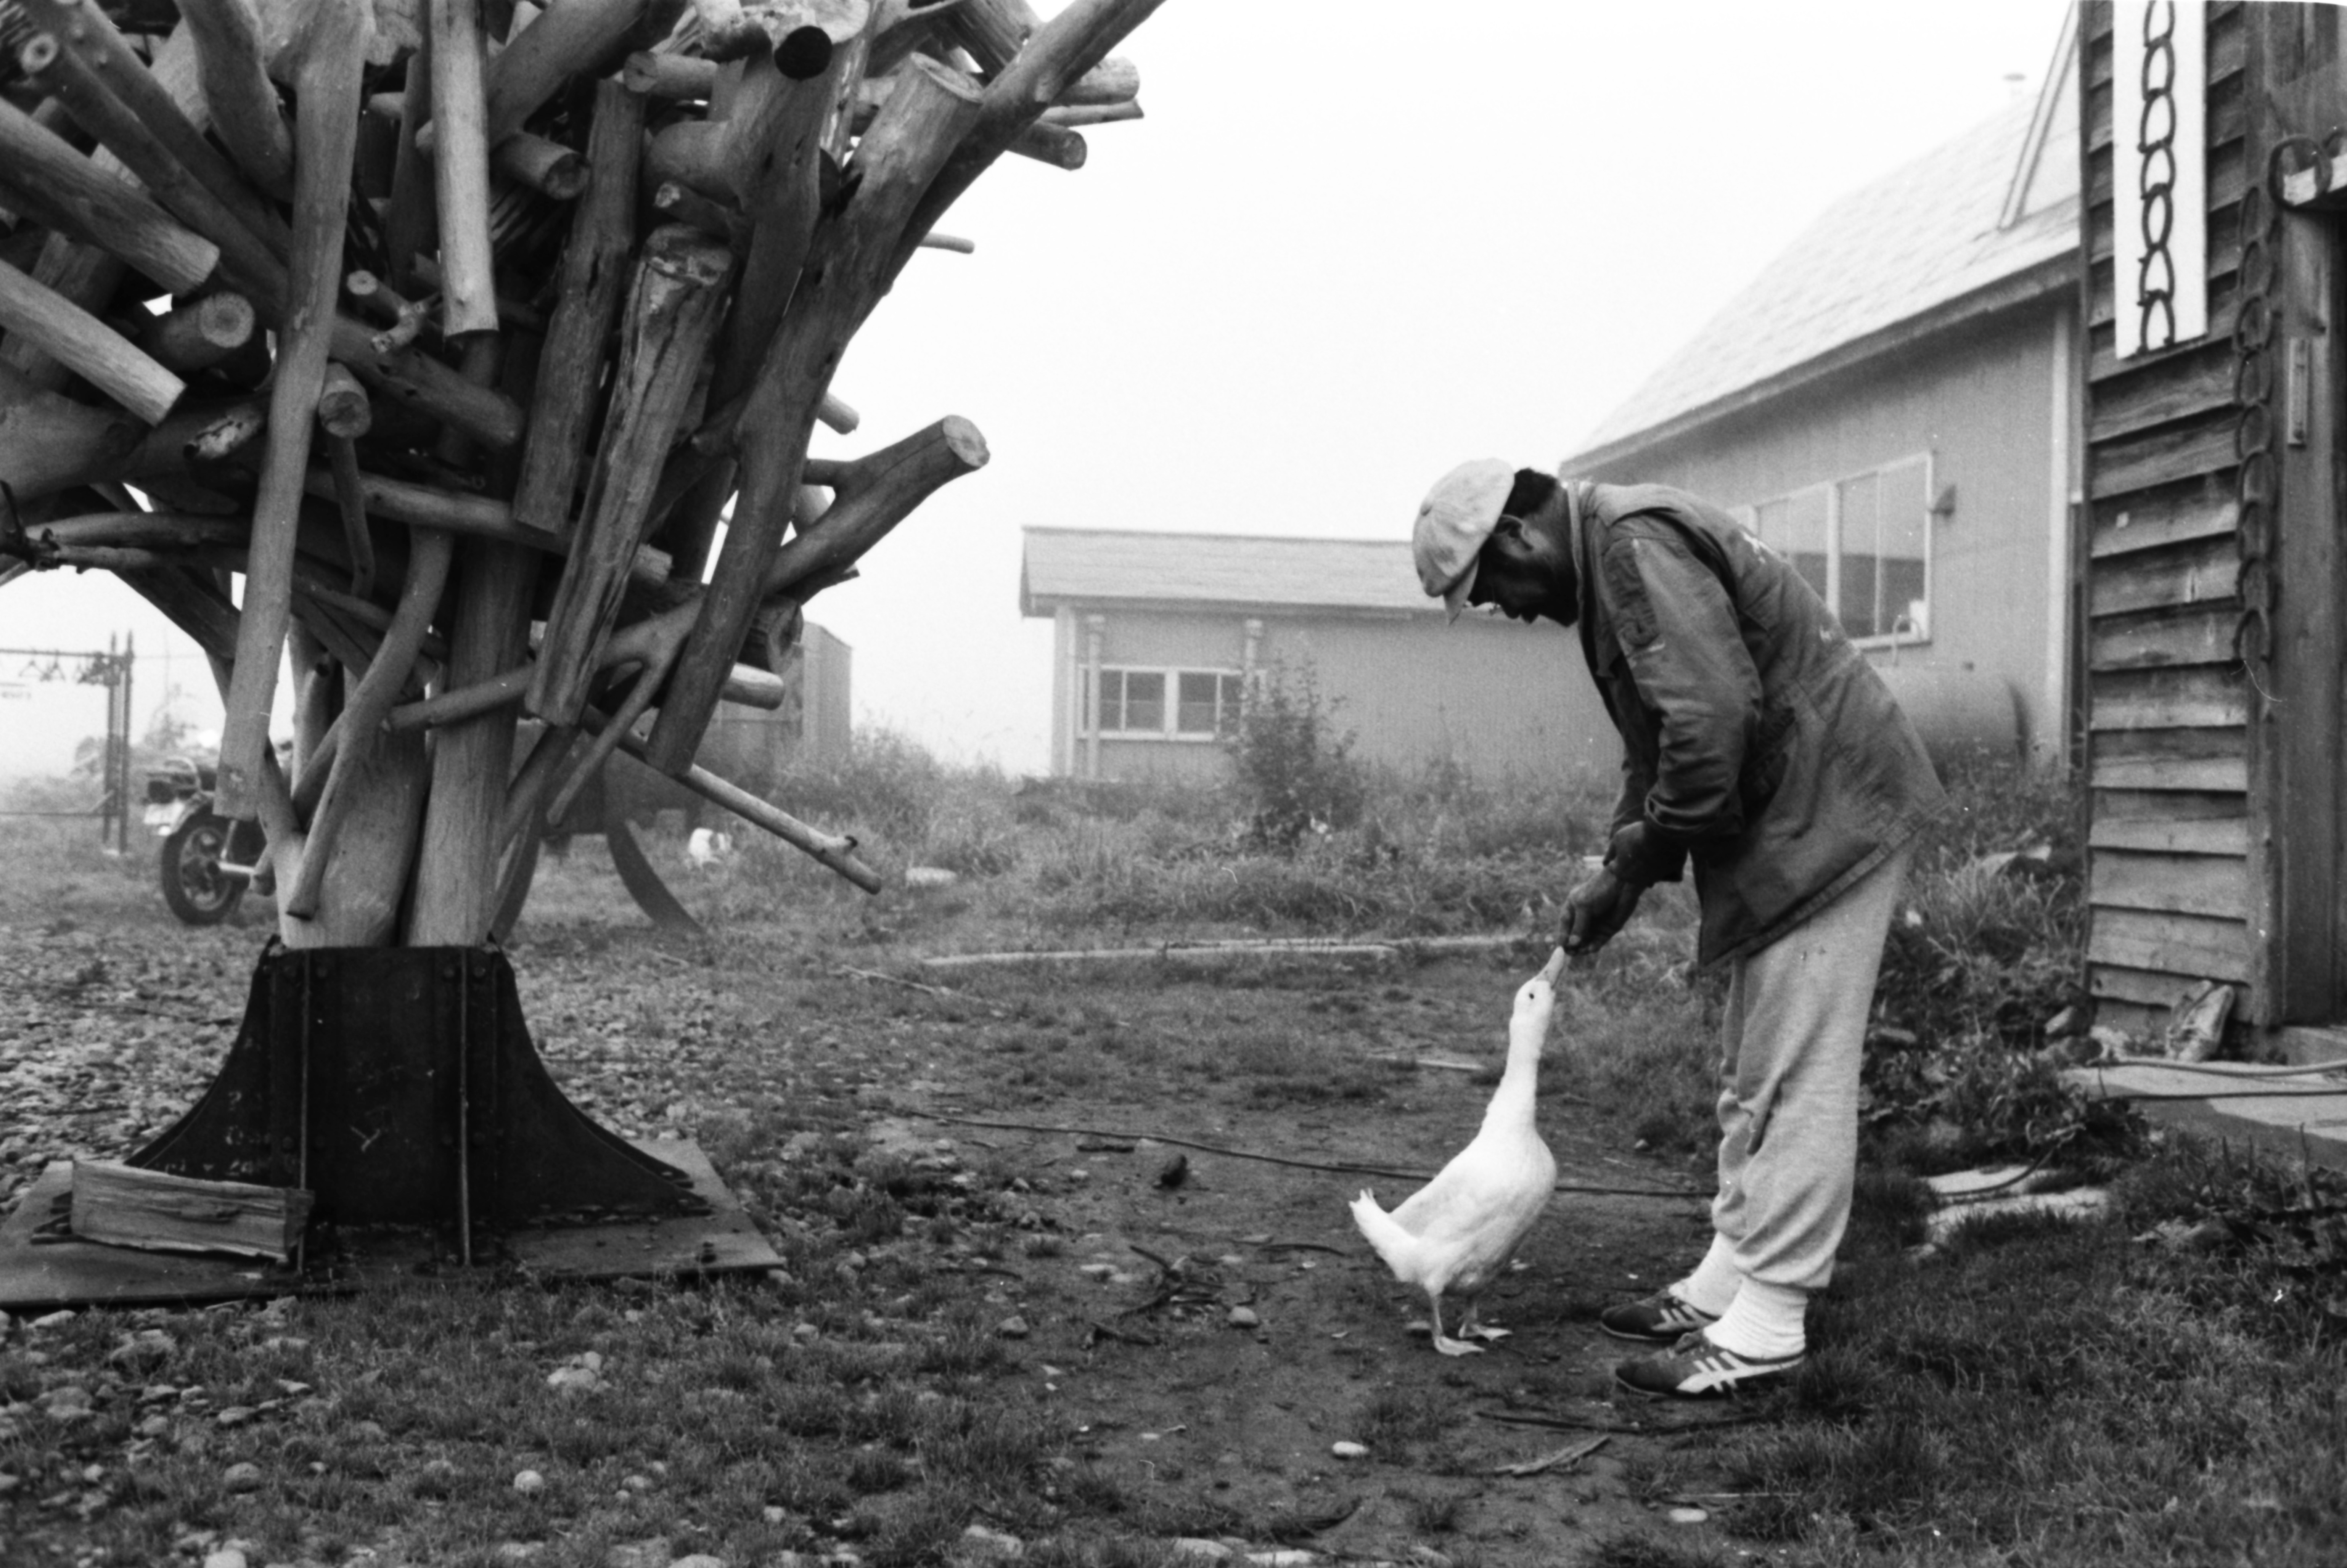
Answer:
(2214, 570)
(1159, 636)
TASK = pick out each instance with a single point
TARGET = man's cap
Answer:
(1456, 515)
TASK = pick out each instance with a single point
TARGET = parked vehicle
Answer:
(208, 858)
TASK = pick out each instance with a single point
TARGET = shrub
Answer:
(1296, 773)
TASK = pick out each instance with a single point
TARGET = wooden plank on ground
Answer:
(2199, 697)
(2179, 883)
(2201, 508)
(2198, 945)
(152, 1211)
(2227, 835)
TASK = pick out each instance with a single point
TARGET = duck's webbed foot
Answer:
(1470, 1329)
(1447, 1344)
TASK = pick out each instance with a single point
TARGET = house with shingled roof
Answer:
(1893, 403)
(1159, 636)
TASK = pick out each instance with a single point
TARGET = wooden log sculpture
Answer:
(464, 399)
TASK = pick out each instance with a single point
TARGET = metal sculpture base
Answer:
(400, 1086)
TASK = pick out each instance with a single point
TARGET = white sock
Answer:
(1713, 1283)
(1765, 1322)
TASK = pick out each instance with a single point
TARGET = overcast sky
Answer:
(1348, 247)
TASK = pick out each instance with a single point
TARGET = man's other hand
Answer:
(1596, 909)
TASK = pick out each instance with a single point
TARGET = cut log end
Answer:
(803, 54)
(962, 439)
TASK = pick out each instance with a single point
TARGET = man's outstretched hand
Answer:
(1596, 909)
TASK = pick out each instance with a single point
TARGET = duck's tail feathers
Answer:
(1384, 1233)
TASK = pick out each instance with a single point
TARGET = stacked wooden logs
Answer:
(434, 340)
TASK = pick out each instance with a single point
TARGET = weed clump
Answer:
(1295, 771)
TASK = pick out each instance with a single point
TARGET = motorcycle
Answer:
(207, 859)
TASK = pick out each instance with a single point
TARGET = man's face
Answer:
(1519, 574)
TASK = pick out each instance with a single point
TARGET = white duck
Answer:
(1455, 1235)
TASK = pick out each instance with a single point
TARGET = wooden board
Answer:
(153, 1211)
(2188, 386)
(2199, 509)
(2197, 947)
(2214, 775)
(2178, 883)
(2196, 698)
(2198, 573)
(2197, 634)
(2180, 451)
(38, 1274)
(2117, 808)
(2225, 835)
(2143, 988)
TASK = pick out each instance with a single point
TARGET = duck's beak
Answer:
(1554, 968)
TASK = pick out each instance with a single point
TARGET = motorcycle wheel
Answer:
(196, 889)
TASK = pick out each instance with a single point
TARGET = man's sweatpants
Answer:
(1792, 1040)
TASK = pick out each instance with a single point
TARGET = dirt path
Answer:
(1125, 1285)
(1221, 1424)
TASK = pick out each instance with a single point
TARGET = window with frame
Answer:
(1164, 705)
(1864, 543)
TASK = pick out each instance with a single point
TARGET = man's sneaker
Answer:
(1696, 1368)
(1661, 1318)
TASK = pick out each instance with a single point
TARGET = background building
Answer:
(1892, 402)
(1156, 636)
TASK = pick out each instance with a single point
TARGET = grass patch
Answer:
(2045, 1391)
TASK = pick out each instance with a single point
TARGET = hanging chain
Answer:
(2155, 175)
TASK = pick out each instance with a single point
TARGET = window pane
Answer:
(1226, 713)
(1196, 713)
(1905, 526)
(1861, 515)
(1804, 541)
(1112, 717)
(1144, 701)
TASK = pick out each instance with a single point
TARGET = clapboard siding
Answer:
(2162, 638)
(2190, 947)
(2182, 451)
(2176, 884)
(2124, 810)
(2199, 383)
(2218, 835)
(2202, 508)
(2194, 698)
(2137, 987)
(2196, 572)
(2194, 773)
(2172, 831)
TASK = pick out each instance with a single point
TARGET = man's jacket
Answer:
(1757, 740)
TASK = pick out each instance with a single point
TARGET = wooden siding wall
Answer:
(2168, 745)
(1979, 401)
